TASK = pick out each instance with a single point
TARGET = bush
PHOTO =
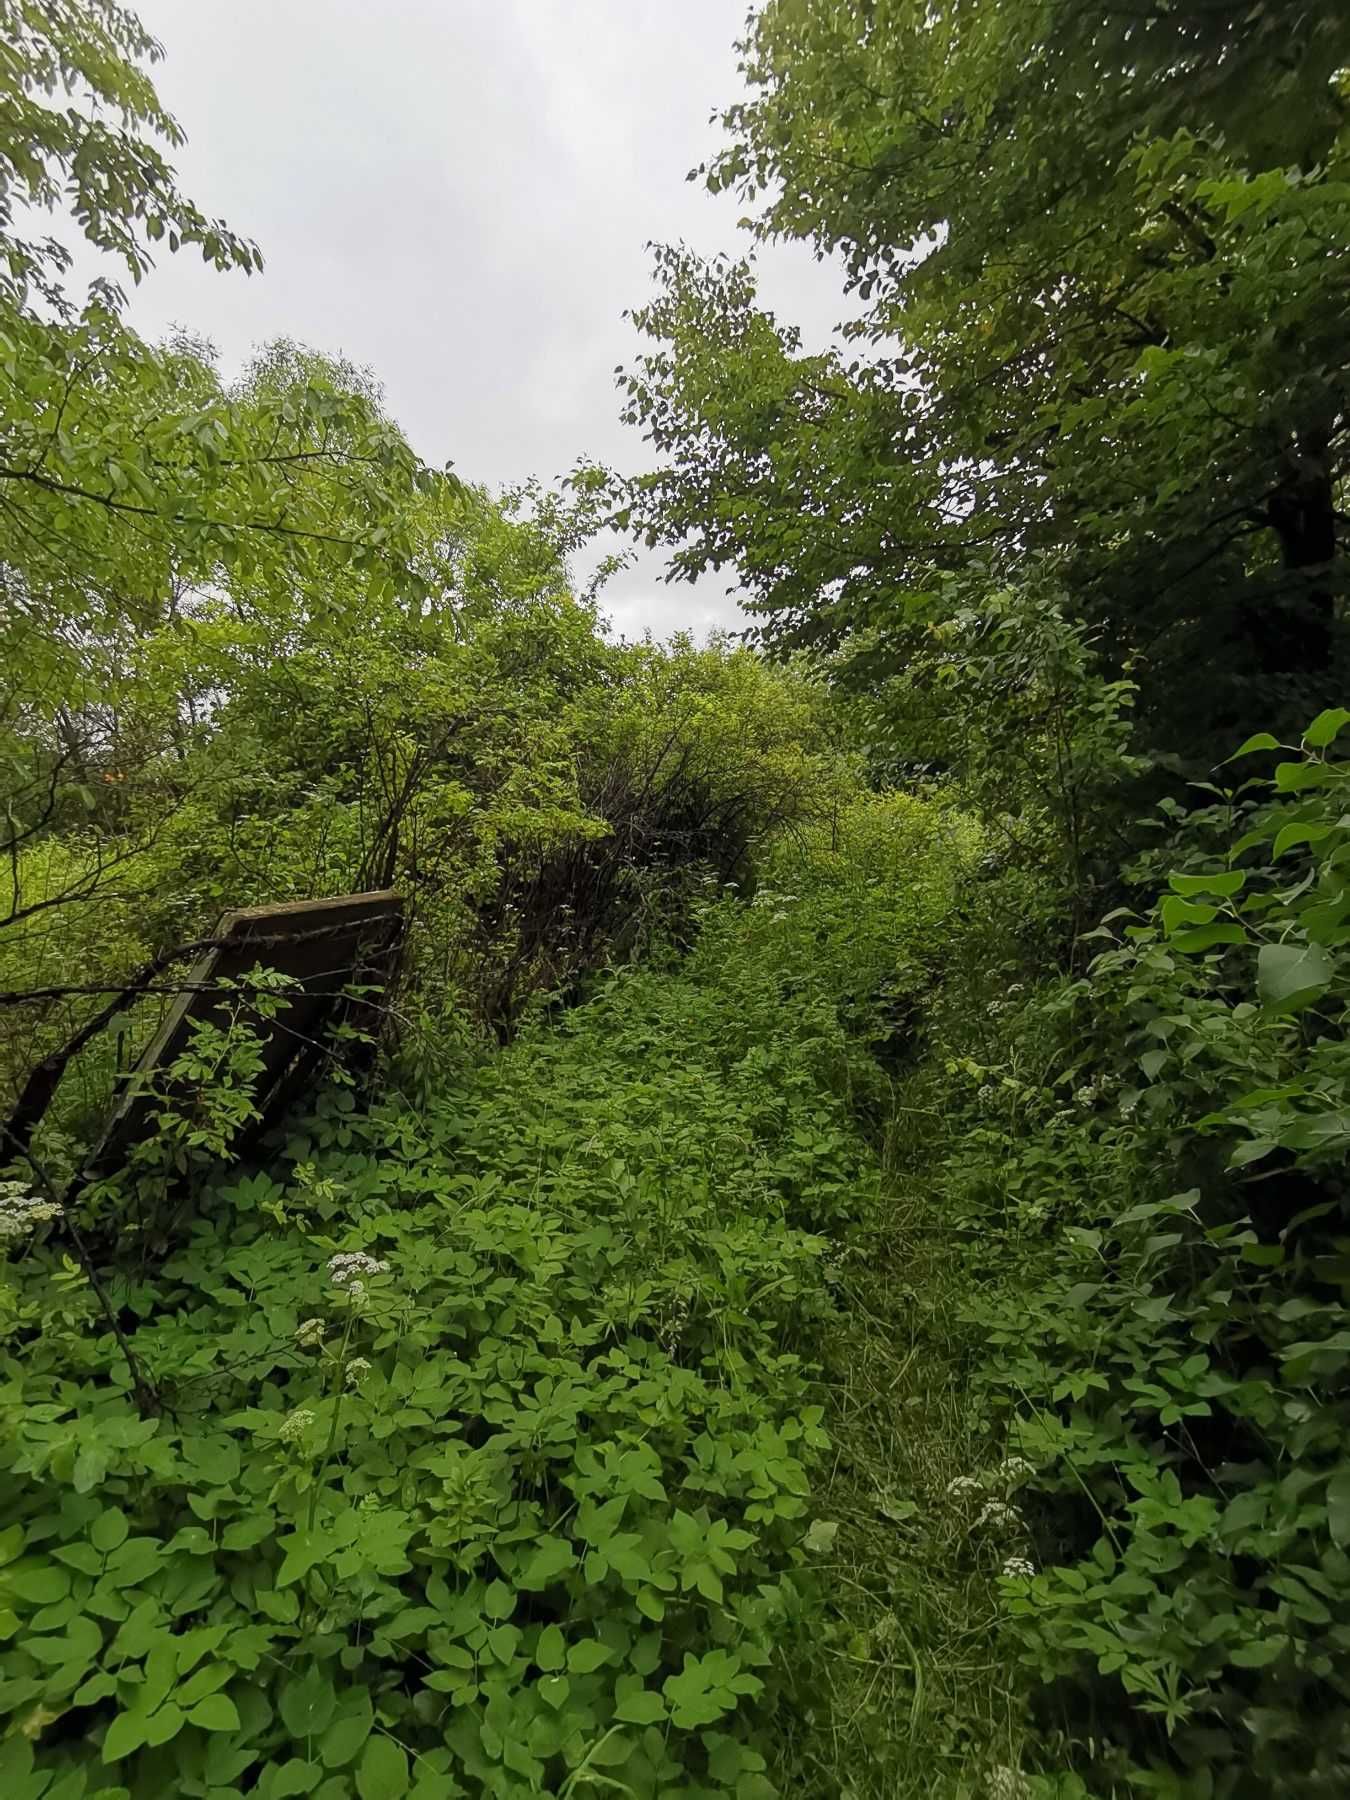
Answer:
(483, 1435)
(1154, 1161)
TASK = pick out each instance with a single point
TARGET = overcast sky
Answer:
(458, 194)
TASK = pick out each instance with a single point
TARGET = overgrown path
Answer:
(525, 1434)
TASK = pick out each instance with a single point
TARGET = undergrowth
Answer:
(488, 1433)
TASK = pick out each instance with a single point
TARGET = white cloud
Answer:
(459, 193)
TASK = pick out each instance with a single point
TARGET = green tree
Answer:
(1098, 256)
(79, 124)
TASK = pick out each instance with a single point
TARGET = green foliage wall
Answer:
(1101, 340)
(486, 1430)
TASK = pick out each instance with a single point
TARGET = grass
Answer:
(907, 1690)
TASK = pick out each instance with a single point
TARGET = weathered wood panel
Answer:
(326, 946)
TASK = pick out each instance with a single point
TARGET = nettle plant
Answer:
(481, 1446)
(1173, 1352)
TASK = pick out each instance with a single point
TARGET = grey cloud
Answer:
(458, 193)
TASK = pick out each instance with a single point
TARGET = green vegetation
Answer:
(829, 1275)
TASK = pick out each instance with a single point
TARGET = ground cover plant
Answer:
(483, 1439)
(826, 1273)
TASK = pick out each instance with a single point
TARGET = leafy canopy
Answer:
(1103, 299)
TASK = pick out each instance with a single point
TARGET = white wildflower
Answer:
(1007, 1784)
(293, 1428)
(357, 1370)
(344, 1268)
(963, 1485)
(1014, 1469)
(311, 1334)
(22, 1212)
(1019, 1568)
(1001, 1515)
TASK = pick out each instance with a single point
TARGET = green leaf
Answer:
(307, 1705)
(217, 1712)
(819, 1540)
(1221, 881)
(642, 1707)
(1294, 777)
(1289, 836)
(125, 1735)
(499, 1602)
(551, 1650)
(40, 1584)
(282, 1781)
(1262, 740)
(1205, 937)
(162, 1726)
(1290, 975)
(589, 1654)
(1259, 1653)
(1326, 727)
(345, 1736)
(1176, 912)
(553, 1557)
(383, 1770)
(554, 1690)
(108, 1530)
(504, 1641)
(302, 1550)
(1338, 1507)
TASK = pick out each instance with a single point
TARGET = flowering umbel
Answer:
(345, 1268)
(294, 1426)
(21, 1212)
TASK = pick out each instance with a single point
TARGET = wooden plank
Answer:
(326, 946)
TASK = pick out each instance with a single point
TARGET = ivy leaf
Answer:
(217, 1712)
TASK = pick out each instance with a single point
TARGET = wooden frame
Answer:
(326, 946)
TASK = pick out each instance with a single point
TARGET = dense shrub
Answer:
(482, 1435)
(1153, 1157)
